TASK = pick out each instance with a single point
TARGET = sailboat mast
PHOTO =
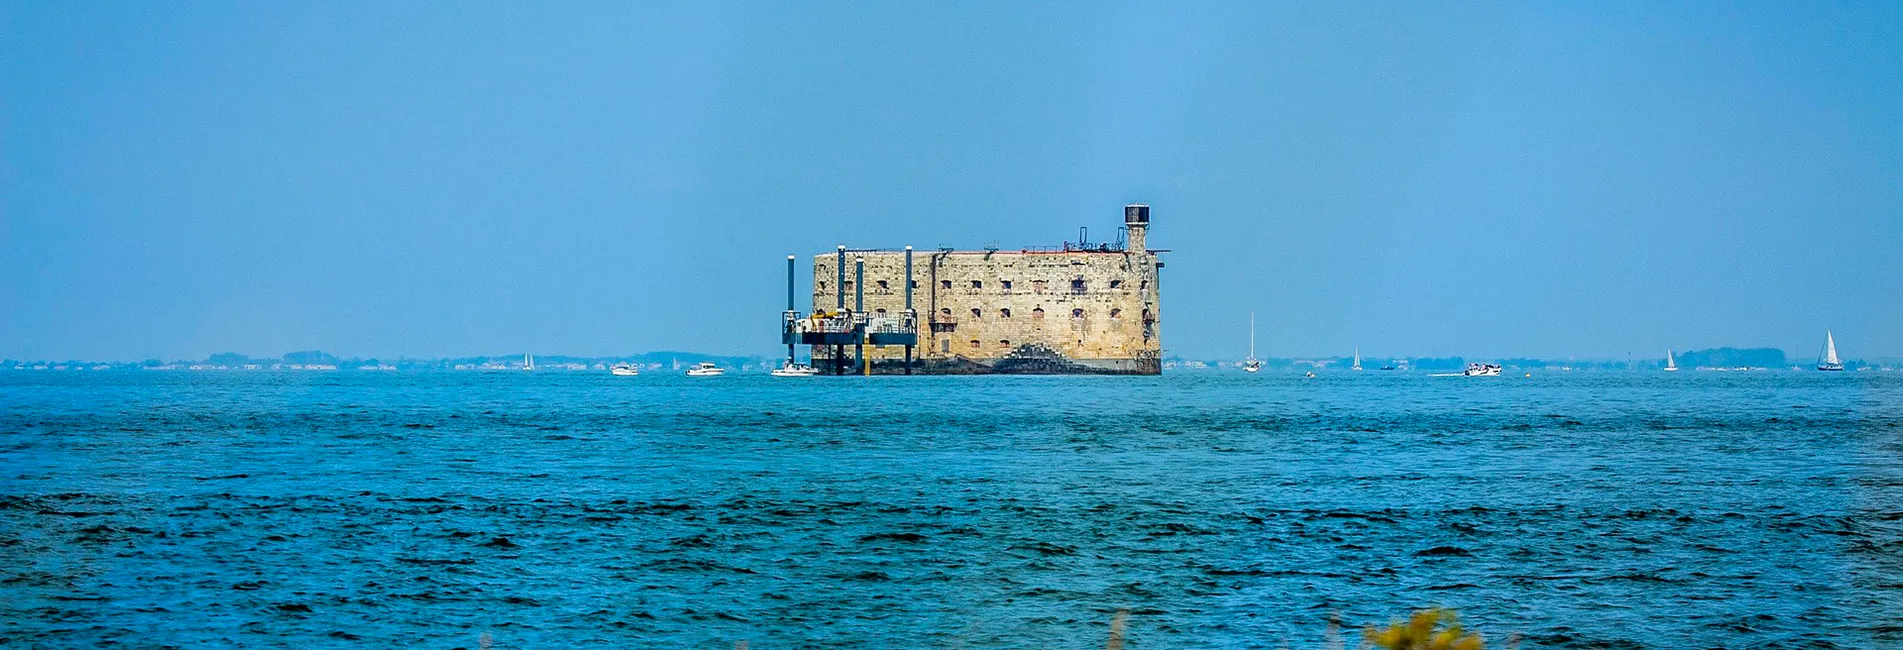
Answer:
(1251, 335)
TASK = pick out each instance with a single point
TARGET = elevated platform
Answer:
(849, 328)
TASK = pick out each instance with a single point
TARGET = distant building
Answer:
(1081, 308)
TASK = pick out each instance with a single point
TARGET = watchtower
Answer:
(1136, 219)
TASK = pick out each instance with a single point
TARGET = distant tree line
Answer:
(1733, 358)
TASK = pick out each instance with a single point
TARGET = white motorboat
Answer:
(1474, 370)
(706, 369)
(1671, 362)
(624, 370)
(1830, 361)
(791, 369)
(1252, 364)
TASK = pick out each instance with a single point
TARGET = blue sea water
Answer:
(352, 509)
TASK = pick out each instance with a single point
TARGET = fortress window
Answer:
(1114, 284)
(847, 286)
(1004, 284)
(915, 285)
(1037, 314)
(975, 344)
(1077, 285)
(1143, 286)
(946, 313)
(1076, 313)
(1039, 285)
(883, 288)
(944, 345)
(944, 284)
(977, 313)
(977, 284)
(1114, 313)
(1004, 312)
(819, 286)
(1004, 344)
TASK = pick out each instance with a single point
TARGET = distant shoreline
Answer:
(763, 364)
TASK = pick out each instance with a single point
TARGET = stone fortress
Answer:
(1081, 308)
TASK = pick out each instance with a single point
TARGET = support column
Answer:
(840, 306)
(859, 307)
(909, 314)
(791, 322)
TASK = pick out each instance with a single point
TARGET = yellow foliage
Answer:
(1428, 629)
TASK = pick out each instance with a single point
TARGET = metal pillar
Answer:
(908, 307)
(859, 307)
(790, 357)
(839, 291)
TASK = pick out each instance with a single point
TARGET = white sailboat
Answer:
(528, 362)
(1357, 366)
(1251, 364)
(1671, 363)
(1830, 361)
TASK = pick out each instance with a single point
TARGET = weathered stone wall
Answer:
(984, 311)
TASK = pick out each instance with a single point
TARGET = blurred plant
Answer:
(1116, 630)
(1428, 629)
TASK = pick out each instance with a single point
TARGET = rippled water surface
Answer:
(1588, 510)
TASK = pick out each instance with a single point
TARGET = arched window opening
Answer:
(1076, 313)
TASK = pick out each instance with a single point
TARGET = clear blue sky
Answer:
(410, 178)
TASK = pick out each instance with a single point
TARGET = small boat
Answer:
(706, 369)
(1357, 366)
(528, 362)
(1830, 362)
(1474, 370)
(1251, 364)
(624, 370)
(791, 369)
(1671, 363)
